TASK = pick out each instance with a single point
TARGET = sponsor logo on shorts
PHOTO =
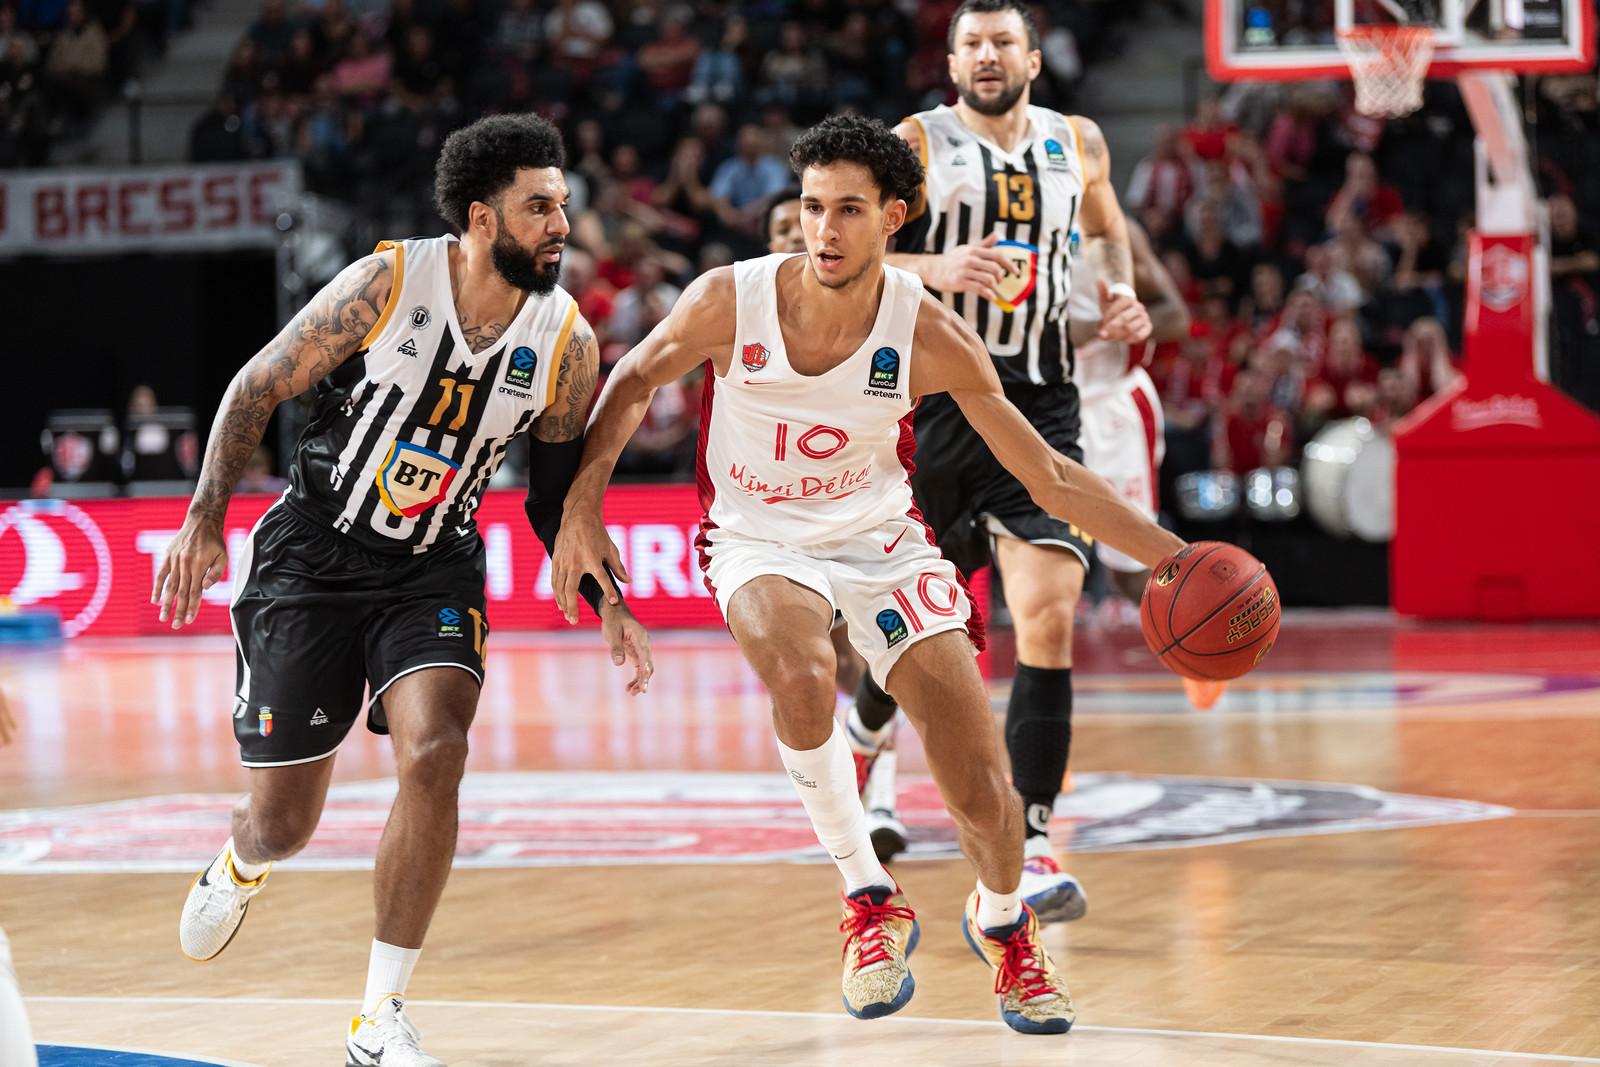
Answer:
(449, 623)
(885, 372)
(893, 627)
(755, 356)
(320, 718)
(520, 368)
(264, 722)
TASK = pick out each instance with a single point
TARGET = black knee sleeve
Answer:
(1039, 736)
(874, 706)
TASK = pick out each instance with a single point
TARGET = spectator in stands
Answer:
(1218, 264)
(76, 67)
(218, 135)
(1234, 201)
(1418, 279)
(1163, 181)
(365, 71)
(1574, 252)
(258, 477)
(683, 193)
(1303, 327)
(245, 74)
(1264, 305)
(743, 182)
(1209, 137)
(794, 73)
(298, 73)
(1425, 359)
(1252, 433)
(1353, 251)
(668, 61)
(643, 304)
(271, 31)
(1346, 382)
(1363, 196)
(578, 30)
(719, 72)
(1334, 286)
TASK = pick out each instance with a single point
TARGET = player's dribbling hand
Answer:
(630, 644)
(584, 547)
(975, 268)
(1122, 317)
(194, 563)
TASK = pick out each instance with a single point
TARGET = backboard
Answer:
(1287, 40)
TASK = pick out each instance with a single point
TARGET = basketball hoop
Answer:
(1388, 64)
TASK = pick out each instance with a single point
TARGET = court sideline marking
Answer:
(830, 1016)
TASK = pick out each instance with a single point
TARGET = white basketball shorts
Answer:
(889, 582)
(1123, 440)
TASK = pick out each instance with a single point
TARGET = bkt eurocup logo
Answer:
(54, 558)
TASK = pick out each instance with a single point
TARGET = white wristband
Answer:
(1122, 289)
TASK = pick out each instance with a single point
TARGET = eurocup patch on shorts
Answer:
(893, 626)
(1017, 286)
(413, 479)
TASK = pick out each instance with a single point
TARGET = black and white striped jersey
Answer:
(1029, 197)
(405, 435)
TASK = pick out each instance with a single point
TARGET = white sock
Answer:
(998, 909)
(861, 739)
(388, 970)
(825, 778)
(16, 1041)
(242, 871)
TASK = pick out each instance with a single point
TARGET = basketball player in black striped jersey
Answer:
(1007, 186)
(427, 359)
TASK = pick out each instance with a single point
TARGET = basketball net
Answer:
(1388, 64)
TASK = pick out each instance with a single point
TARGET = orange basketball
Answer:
(1210, 611)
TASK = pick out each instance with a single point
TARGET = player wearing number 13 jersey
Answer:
(363, 587)
(991, 234)
(814, 365)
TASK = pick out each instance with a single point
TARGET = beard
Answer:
(521, 269)
(1009, 95)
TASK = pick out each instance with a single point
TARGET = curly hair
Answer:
(989, 7)
(853, 139)
(480, 161)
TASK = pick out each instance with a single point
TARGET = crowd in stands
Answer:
(1325, 268)
(60, 60)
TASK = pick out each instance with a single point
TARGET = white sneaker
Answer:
(386, 1037)
(215, 908)
(1054, 895)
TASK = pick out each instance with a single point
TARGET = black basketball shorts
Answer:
(963, 490)
(318, 620)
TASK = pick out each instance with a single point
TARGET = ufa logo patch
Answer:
(893, 627)
(519, 371)
(885, 373)
(1054, 152)
(420, 317)
(755, 356)
(1017, 286)
(413, 479)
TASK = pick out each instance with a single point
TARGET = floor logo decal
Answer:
(587, 818)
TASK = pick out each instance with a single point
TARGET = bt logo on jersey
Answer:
(413, 479)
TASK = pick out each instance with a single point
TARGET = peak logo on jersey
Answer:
(519, 369)
(893, 627)
(413, 479)
(885, 373)
(755, 356)
(264, 722)
(408, 347)
(1054, 152)
(420, 317)
(1017, 286)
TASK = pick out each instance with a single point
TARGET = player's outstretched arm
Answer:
(1105, 241)
(555, 448)
(700, 328)
(950, 358)
(329, 330)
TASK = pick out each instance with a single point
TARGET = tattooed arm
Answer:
(326, 332)
(563, 420)
(1105, 240)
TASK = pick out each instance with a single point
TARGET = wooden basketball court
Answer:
(1383, 848)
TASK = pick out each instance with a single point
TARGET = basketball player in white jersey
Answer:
(16, 1038)
(816, 363)
(427, 359)
(991, 234)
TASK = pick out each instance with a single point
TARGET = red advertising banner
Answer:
(224, 205)
(93, 561)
